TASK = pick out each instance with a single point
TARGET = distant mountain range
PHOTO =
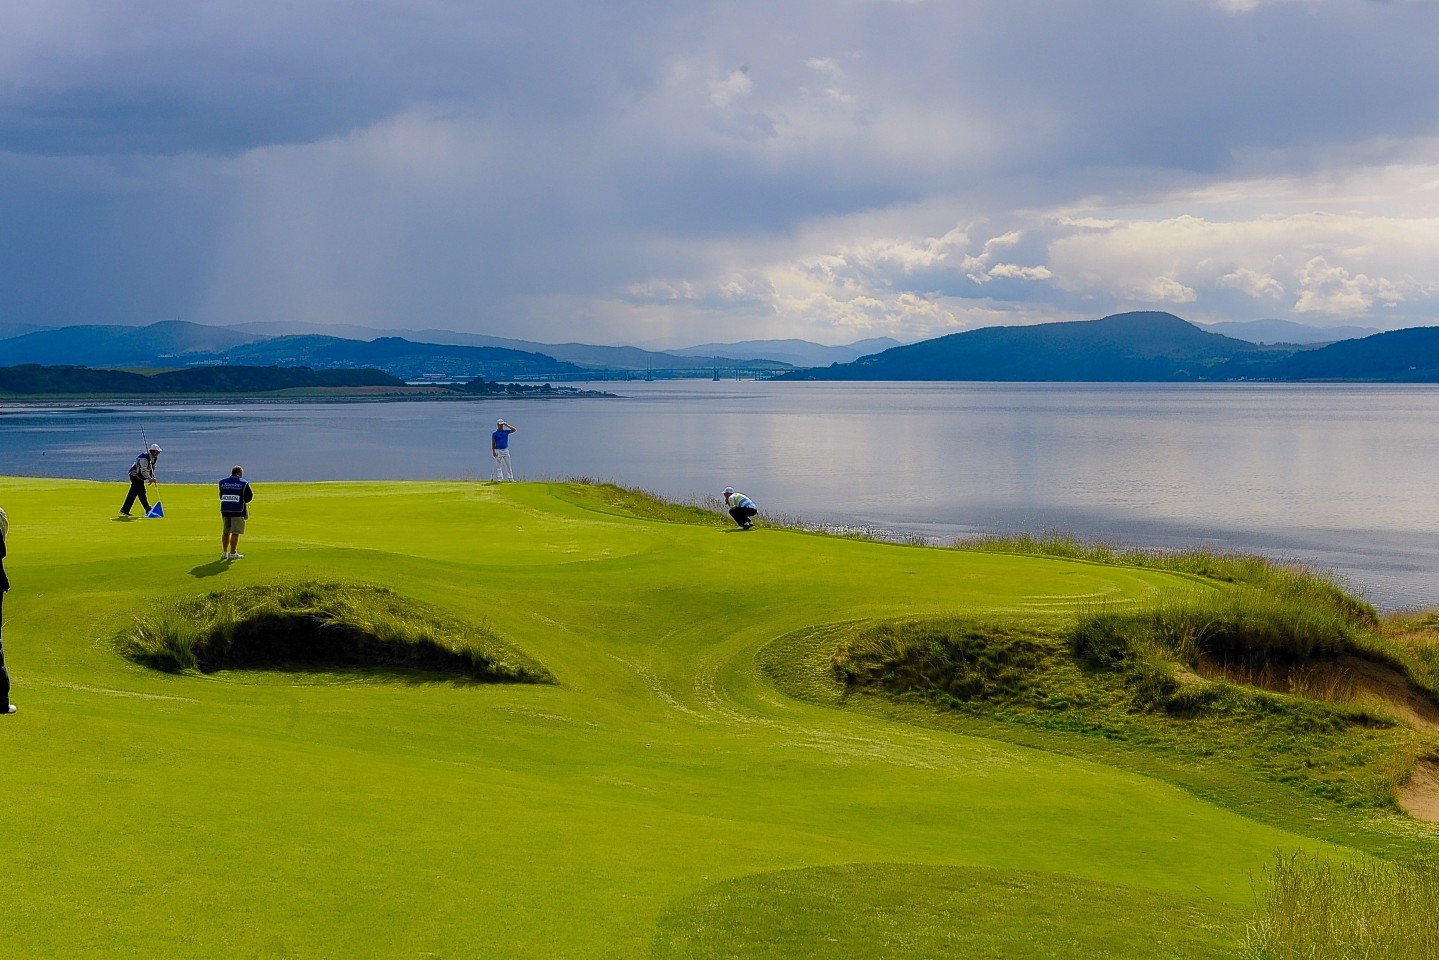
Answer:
(1286, 331)
(588, 356)
(1143, 346)
(165, 344)
(399, 357)
(1138, 347)
(414, 354)
(799, 353)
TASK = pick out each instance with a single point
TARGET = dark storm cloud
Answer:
(629, 165)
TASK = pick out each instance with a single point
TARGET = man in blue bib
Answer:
(500, 450)
(235, 497)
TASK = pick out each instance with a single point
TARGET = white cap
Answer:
(155, 448)
(728, 491)
(500, 422)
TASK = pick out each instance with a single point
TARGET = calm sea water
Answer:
(1342, 477)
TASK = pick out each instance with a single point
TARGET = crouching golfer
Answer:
(741, 508)
(6, 707)
(235, 497)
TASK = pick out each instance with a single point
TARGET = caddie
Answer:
(235, 497)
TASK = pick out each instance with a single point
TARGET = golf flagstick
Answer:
(156, 512)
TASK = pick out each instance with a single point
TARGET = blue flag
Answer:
(157, 512)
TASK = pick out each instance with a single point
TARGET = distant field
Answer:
(661, 799)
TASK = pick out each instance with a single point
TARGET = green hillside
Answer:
(693, 783)
(1144, 346)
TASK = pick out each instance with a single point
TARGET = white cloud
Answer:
(737, 86)
(1255, 284)
(1334, 290)
(1013, 271)
(1161, 290)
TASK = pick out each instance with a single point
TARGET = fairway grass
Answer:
(663, 797)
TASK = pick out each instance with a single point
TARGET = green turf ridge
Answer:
(318, 624)
(1312, 768)
(261, 813)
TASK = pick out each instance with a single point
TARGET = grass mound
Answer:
(318, 624)
(1317, 908)
(634, 502)
(1118, 675)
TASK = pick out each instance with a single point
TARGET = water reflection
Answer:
(1336, 475)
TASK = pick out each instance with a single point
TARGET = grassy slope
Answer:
(274, 815)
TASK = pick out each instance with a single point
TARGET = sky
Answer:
(669, 172)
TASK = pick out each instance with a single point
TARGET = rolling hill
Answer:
(1400, 355)
(167, 343)
(33, 379)
(398, 357)
(401, 353)
(1142, 346)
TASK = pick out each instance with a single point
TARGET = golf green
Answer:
(661, 799)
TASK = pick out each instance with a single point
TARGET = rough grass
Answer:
(1123, 685)
(1293, 582)
(320, 624)
(643, 504)
(1313, 908)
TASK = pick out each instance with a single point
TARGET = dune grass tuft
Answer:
(644, 504)
(1317, 909)
(1295, 582)
(321, 624)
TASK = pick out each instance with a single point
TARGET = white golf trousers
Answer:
(503, 470)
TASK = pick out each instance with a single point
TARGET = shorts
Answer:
(235, 525)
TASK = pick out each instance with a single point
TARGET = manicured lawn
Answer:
(662, 799)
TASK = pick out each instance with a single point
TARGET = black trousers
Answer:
(4, 677)
(743, 515)
(137, 489)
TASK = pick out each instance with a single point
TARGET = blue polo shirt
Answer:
(502, 439)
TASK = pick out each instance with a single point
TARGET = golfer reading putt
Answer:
(741, 508)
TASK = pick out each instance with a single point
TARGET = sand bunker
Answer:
(1419, 796)
(1344, 681)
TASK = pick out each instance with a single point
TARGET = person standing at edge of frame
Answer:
(500, 450)
(6, 707)
(235, 497)
(142, 472)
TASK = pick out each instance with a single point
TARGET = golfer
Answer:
(6, 707)
(235, 497)
(500, 450)
(142, 472)
(741, 508)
